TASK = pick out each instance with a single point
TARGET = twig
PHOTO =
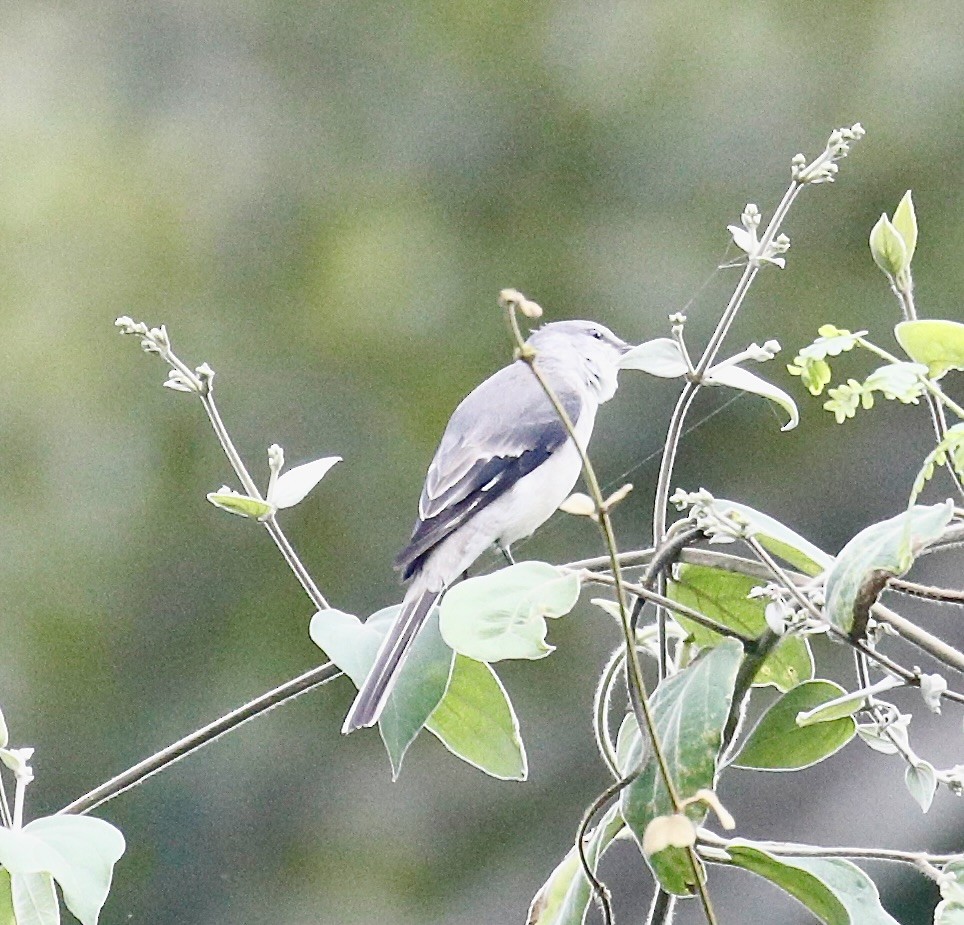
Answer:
(201, 737)
(644, 594)
(792, 849)
(926, 592)
(598, 887)
(904, 291)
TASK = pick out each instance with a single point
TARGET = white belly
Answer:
(517, 514)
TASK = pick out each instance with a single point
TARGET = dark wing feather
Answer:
(500, 433)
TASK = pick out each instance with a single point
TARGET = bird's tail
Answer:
(391, 656)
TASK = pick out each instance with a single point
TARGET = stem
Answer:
(675, 429)
(791, 849)
(601, 712)
(944, 595)
(904, 290)
(19, 794)
(582, 833)
(201, 737)
(294, 563)
(931, 386)
(634, 672)
(661, 911)
(921, 639)
(5, 816)
(270, 523)
(643, 593)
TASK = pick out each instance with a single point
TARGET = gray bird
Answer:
(505, 463)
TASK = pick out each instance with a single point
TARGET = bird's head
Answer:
(584, 348)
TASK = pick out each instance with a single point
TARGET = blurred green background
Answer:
(322, 200)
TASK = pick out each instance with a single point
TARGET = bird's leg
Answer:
(505, 552)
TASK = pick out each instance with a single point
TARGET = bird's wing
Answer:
(502, 431)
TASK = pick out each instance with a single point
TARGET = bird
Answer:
(503, 466)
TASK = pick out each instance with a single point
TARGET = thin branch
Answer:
(599, 888)
(926, 592)
(201, 737)
(920, 638)
(600, 711)
(791, 849)
(644, 594)
(904, 291)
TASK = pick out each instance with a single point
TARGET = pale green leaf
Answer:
(722, 596)
(242, 505)
(777, 743)
(832, 895)
(660, 357)
(78, 851)
(775, 537)
(949, 450)
(475, 720)
(503, 615)
(292, 486)
(850, 885)
(887, 247)
(34, 899)
(846, 704)
(6, 899)
(736, 377)
(938, 344)
(690, 710)
(352, 646)
(905, 221)
(900, 381)
(921, 781)
(948, 912)
(877, 553)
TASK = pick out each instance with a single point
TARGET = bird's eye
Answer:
(597, 334)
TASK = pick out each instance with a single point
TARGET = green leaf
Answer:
(502, 615)
(850, 885)
(948, 912)
(950, 449)
(775, 537)
(905, 221)
(689, 710)
(921, 781)
(6, 899)
(900, 381)
(874, 555)
(887, 247)
(802, 885)
(777, 743)
(736, 377)
(235, 503)
(660, 357)
(34, 899)
(722, 596)
(837, 892)
(846, 704)
(352, 646)
(475, 721)
(78, 851)
(565, 897)
(938, 344)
